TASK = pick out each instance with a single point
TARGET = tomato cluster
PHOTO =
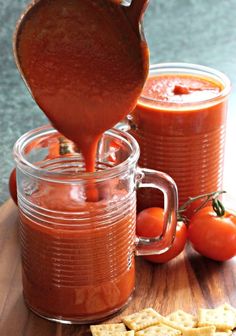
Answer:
(212, 235)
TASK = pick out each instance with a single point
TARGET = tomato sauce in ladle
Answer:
(85, 63)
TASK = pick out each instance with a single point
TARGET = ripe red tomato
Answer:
(213, 236)
(150, 224)
(12, 185)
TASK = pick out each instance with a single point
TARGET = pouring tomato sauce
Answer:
(85, 63)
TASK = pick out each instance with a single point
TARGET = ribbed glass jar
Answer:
(77, 229)
(183, 139)
(77, 232)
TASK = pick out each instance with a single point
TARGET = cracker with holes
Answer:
(142, 319)
(202, 331)
(113, 333)
(228, 307)
(158, 330)
(108, 328)
(222, 319)
(180, 319)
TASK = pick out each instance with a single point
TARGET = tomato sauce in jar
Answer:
(77, 255)
(180, 123)
(72, 270)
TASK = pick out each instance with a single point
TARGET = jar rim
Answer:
(188, 68)
(52, 176)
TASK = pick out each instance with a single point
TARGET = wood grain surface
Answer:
(188, 282)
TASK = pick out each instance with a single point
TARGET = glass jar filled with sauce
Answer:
(180, 125)
(77, 229)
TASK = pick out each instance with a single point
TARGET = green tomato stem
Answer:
(216, 204)
(218, 207)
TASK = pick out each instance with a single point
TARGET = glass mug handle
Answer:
(149, 178)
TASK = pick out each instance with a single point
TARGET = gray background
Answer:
(195, 31)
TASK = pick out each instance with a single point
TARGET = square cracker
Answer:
(227, 307)
(222, 319)
(113, 333)
(181, 319)
(158, 330)
(202, 331)
(142, 319)
(107, 328)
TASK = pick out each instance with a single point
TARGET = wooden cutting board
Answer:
(188, 282)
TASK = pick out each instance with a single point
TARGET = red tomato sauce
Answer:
(73, 271)
(180, 130)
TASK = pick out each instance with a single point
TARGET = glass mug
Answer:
(186, 140)
(77, 229)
